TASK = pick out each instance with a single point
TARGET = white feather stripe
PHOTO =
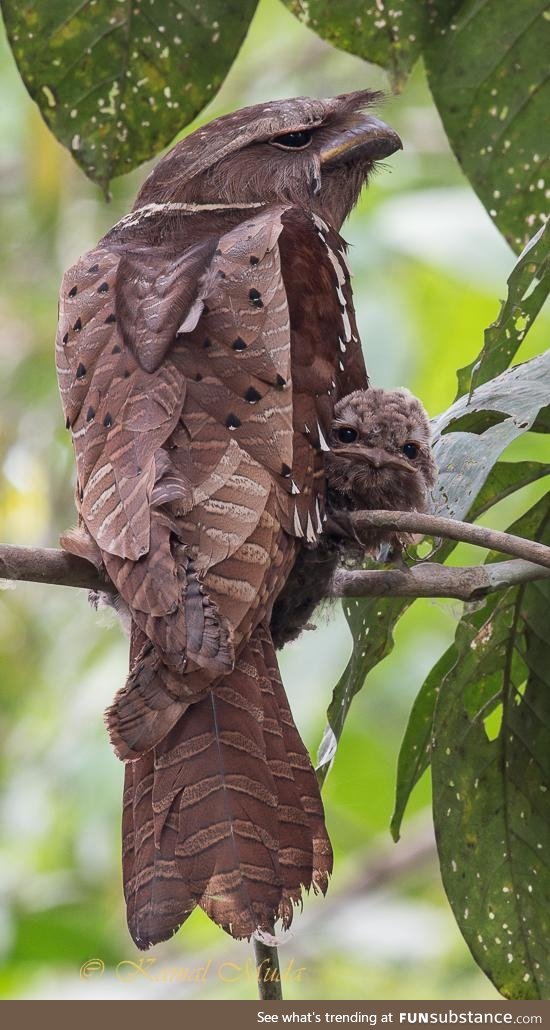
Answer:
(298, 531)
(102, 499)
(81, 432)
(149, 210)
(322, 442)
(322, 226)
(318, 515)
(344, 258)
(229, 509)
(340, 274)
(96, 478)
(347, 326)
(108, 519)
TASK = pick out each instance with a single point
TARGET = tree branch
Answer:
(532, 561)
(50, 565)
(452, 529)
(470, 583)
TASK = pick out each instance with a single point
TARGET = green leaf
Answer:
(388, 35)
(506, 477)
(371, 622)
(488, 72)
(491, 790)
(528, 288)
(472, 434)
(415, 752)
(115, 81)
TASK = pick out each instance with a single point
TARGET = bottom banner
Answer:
(249, 1015)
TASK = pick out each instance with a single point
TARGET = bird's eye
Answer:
(410, 450)
(346, 434)
(293, 140)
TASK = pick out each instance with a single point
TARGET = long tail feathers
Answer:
(225, 812)
(145, 709)
(304, 777)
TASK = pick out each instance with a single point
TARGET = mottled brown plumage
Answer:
(380, 457)
(201, 348)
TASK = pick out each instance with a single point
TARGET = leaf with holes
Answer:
(116, 81)
(390, 36)
(491, 780)
(415, 753)
(528, 288)
(488, 72)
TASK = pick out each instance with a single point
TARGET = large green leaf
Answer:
(371, 621)
(415, 753)
(487, 68)
(506, 477)
(465, 460)
(391, 35)
(488, 72)
(115, 81)
(528, 288)
(472, 434)
(491, 784)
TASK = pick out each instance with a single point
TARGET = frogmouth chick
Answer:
(379, 458)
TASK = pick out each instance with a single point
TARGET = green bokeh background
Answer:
(429, 268)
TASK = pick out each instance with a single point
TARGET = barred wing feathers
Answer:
(199, 473)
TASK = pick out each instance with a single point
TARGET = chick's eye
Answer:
(410, 450)
(293, 140)
(346, 434)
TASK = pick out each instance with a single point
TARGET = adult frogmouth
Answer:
(202, 346)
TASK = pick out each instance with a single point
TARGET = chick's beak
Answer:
(367, 137)
(376, 457)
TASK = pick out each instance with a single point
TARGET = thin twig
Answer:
(268, 972)
(453, 529)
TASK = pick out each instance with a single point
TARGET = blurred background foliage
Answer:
(429, 268)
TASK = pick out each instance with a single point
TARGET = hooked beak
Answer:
(366, 137)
